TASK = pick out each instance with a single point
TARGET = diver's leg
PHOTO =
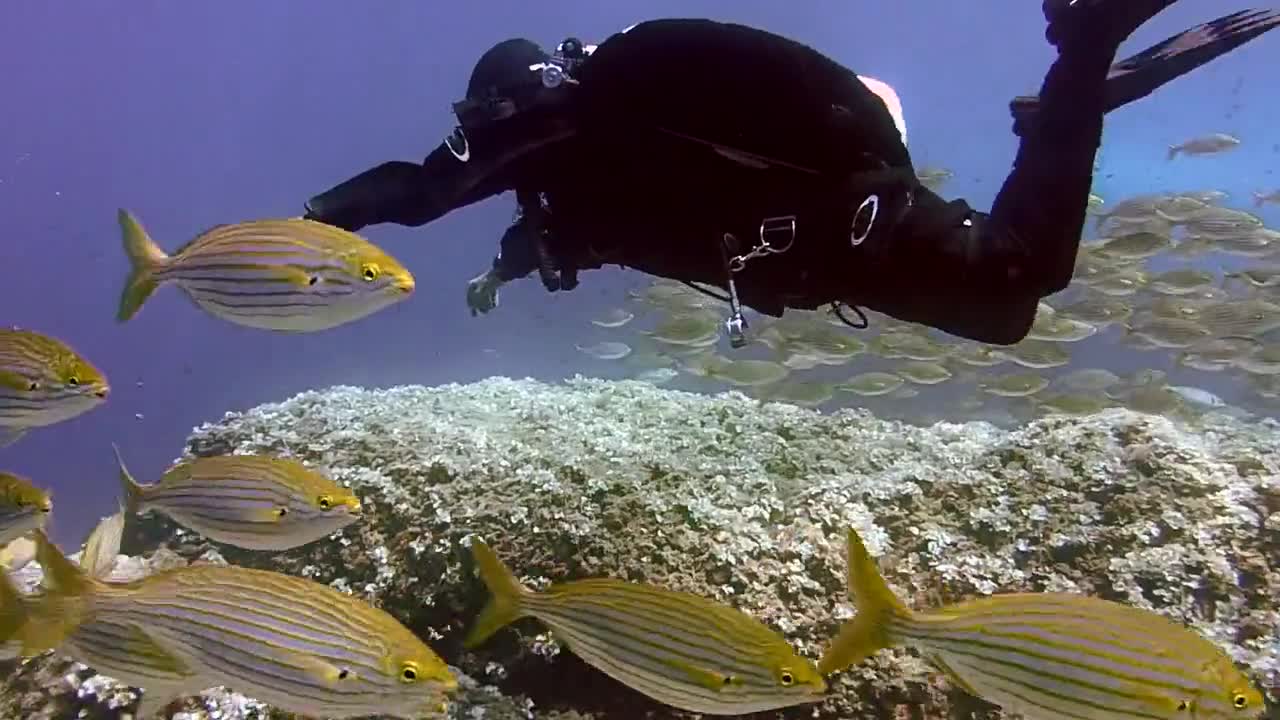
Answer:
(1139, 75)
(1040, 210)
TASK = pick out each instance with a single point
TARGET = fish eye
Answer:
(34, 386)
(73, 381)
(409, 673)
(787, 679)
(325, 502)
(370, 272)
(1240, 701)
(1183, 705)
(281, 512)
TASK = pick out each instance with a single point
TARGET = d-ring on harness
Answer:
(769, 227)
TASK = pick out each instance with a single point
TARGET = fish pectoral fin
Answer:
(11, 435)
(296, 276)
(267, 514)
(14, 381)
(140, 644)
(953, 676)
(157, 697)
(709, 679)
(325, 671)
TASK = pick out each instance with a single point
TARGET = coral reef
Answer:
(748, 502)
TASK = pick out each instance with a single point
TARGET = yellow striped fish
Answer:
(112, 646)
(1049, 655)
(680, 649)
(256, 502)
(43, 382)
(23, 507)
(292, 643)
(292, 275)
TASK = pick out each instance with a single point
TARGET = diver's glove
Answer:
(482, 292)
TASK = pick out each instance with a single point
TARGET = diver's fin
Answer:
(1139, 75)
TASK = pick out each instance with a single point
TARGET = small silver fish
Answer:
(1204, 145)
(1261, 198)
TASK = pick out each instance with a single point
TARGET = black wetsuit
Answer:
(682, 137)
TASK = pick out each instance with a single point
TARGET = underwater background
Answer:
(1127, 451)
(194, 115)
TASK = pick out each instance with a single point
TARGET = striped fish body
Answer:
(256, 502)
(43, 381)
(1050, 655)
(1071, 656)
(680, 649)
(23, 507)
(122, 651)
(300, 646)
(291, 275)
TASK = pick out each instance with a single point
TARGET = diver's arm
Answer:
(403, 193)
(464, 169)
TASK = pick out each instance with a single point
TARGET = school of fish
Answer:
(309, 649)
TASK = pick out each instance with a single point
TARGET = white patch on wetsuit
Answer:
(892, 102)
(464, 154)
(627, 29)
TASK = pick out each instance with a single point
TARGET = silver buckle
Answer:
(768, 226)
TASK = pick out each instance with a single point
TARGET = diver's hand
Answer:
(482, 293)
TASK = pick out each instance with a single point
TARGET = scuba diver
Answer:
(723, 155)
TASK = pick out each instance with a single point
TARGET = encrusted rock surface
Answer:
(748, 503)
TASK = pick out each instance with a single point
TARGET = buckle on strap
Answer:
(781, 229)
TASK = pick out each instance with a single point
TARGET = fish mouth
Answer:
(102, 392)
(405, 285)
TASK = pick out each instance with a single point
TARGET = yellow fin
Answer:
(266, 515)
(14, 609)
(145, 257)
(953, 676)
(706, 678)
(134, 494)
(326, 672)
(865, 634)
(504, 607)
(14, 381)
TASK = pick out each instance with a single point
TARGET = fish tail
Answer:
(15, 610)
(505, 605)
(145, 258)
(62, 608)
(131, 491)
(867, 633)
(1258, 199)
(1173, 152)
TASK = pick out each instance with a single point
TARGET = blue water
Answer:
(193, 114)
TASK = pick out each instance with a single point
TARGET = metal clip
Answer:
(768, 226)
(778, 224)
